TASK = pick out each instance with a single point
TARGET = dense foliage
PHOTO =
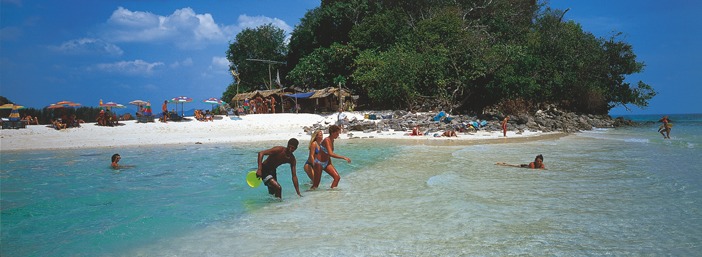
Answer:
(465, 55)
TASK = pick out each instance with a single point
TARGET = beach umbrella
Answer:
(213, 101)
(182, 100)
(138, 102)
(110, 105)
(10, 106)
(14, 114)
(63, 104)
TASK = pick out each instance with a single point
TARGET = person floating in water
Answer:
(537, 164)
(664, 129)
(277, 156)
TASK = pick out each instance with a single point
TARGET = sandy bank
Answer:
(250, 128)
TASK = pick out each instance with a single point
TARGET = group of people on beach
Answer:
(259, 105)
(321, 150)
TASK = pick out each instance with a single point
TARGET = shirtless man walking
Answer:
(277, 156)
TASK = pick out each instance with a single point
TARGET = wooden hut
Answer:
(277, 94)
(324, 100)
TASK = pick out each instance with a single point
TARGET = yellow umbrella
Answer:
(11, 106)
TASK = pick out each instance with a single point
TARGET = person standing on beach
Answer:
(327, 151)
(277, 156)
(504, 125)
(272, 104)
(164, 108)
(313, 157)
(665, 127)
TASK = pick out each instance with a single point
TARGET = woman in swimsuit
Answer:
(314, 153)
(324, 162)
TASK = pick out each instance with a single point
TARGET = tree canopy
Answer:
(266, 42)
(466, 54)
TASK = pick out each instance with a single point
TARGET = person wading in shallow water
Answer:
(277, 156)
(664, 129)
(327, 151)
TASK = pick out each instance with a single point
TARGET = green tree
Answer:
(319, 68)
(466, 54)
(266, 43)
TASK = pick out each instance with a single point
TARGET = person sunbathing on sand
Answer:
(537, 164)
(416, 131)
(449, 133)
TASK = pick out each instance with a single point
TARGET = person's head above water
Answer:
(116, 157)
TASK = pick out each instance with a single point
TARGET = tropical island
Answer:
(474, 61)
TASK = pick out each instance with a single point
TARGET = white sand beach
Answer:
(249, 128)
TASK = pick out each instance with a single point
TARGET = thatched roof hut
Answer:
(262, 93)
(330, 91)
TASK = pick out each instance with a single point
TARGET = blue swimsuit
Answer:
(316, 151)
(326, 163)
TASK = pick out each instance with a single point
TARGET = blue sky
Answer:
(154, 50)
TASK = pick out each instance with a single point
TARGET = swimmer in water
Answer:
(537, 164)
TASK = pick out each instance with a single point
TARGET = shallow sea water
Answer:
(606, 192)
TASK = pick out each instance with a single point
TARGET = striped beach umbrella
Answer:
(182, 100)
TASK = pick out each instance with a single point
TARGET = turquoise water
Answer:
(606, 192)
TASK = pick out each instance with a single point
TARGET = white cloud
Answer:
(188, 62)
(246, 21)
(136, 67)
(219, 66)
(220, 63)
(88, 46)
(183, 28)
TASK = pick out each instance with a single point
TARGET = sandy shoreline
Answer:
(249, 128)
